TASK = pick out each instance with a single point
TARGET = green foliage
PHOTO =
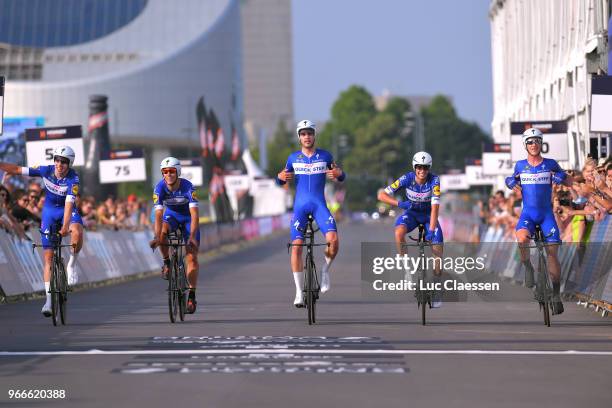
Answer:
(283, 143)
(448, 138)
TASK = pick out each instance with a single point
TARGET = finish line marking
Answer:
(95, 352)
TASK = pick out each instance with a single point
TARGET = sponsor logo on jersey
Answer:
(54, 188)
(436, 190)
(75, 189)
(536, 178)
(310, 168)
(35, 167)
(395, 184)
(174, 201)
(193, 196)
(155, 198)
(420, 197)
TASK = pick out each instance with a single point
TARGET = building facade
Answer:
(544, 54)
(160, 63)
(267, 68)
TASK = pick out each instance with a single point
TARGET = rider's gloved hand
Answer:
(429, 235)
(405, 205)
(511, 182)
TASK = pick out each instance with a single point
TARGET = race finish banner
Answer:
(40, 143)
(554, 146)
(192, 170)
(601, 104)
(453, 182)
(1, 103)
(122, 165)
(496, 159)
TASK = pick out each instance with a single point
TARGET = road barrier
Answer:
(585, 267)
(109, 254)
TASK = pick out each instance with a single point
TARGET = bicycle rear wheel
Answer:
(172, 291)
(63, 291)
(545, 289)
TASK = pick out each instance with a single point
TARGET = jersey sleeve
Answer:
(396, 185)
(158, 201)
(193, 199)
(435, 191)
(73, 189)
(558, 172)
(31, 171)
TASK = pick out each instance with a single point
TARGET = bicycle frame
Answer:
(177, 279)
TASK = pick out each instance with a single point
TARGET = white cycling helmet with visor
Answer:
(171, 162)
(66, 152)
(305, 124)
(531, 133)
(422, 159)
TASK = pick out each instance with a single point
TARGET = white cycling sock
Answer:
(47, 286)
(72, 260)
(298, 278)
(327, 265)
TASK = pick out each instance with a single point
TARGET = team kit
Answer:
(175, 206)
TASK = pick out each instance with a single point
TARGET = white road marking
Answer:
(95, 352)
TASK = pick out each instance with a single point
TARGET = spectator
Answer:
(7, 221)
(20, 210)
(88, 215)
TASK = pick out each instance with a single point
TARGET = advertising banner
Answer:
(496, 159)
(123, 165)
(601, 104)
(554, 146)
(40, 143)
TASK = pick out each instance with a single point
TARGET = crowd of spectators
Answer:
(577, 207)
(21, 209)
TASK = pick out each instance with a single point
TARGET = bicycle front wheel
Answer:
(545, 289)
(63, 291)
(172, 292)
(182, 287)
(310, 290)
(54, 289)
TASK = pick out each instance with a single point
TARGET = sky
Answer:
(409, 47)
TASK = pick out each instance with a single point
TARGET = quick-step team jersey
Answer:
(58, 190)
(422, 196)
(179, 201)
(536, 182)
(310, 175)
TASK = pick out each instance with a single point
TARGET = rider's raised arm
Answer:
(158, 208)
(435, 203)
(15, 170)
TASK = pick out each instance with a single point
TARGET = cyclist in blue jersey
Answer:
(178, 196)
(59, 213)
(422, 206)
(534, 177)
(309, 167)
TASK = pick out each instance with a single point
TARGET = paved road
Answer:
(247, 346)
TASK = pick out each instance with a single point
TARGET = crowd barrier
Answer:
(585, 267)
(109, 254)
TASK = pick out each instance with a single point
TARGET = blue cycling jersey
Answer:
(310, 174)
(536, 182)
(421, 196)
(179, 201)
(59, 190)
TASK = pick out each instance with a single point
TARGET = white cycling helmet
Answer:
(305, 124)
(171, 162)
(422, 158)
(530, 134)
(66, 152)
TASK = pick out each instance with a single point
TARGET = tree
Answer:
(353, 109)
(448, 138)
